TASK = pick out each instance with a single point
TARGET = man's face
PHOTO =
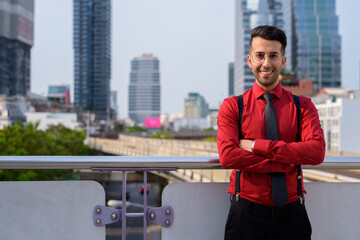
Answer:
(266, 71)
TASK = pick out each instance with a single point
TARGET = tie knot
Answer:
(268, 96)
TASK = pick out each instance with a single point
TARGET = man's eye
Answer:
(274, 56)
(259, 56)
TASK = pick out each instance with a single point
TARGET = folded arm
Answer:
(310, 151)
(230, 153)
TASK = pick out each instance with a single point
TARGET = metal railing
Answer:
(90, 162)
(143, 164)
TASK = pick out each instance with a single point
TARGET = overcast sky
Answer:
(193, 39)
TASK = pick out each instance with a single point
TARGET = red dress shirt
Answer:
(268, 156)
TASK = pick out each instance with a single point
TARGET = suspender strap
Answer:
(238, 172)
(298, 110)
(237, 184)
(241, 110)
(298, 139)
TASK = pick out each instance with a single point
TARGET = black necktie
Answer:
(278, 180)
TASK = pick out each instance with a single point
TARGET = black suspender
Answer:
(241, 110)
(298, 139)
(237, 176)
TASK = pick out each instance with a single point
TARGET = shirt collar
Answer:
(277, 91)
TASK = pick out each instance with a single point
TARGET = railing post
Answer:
(123, 216)
(145, 206)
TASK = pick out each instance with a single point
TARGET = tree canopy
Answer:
(24, 139)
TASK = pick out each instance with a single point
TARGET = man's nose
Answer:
(266, 62)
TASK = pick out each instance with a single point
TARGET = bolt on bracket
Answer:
(162, 215)
(105, 215)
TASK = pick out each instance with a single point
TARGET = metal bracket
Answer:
(162, 215)
(105, 215)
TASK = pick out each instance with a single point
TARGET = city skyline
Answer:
(194, 45)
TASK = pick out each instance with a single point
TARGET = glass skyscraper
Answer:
(314, 44)
(144, 89)
(16, 40)
(249, 14)
(92, 52)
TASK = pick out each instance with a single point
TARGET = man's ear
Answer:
(283, 62)
(248, 58)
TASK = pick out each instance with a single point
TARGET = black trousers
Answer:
(252, 221)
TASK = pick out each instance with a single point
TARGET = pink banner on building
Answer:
(152, 123)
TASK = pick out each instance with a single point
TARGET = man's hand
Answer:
(245, 144)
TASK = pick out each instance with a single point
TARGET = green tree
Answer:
(136, 129)
(210, 139)
(162, 135)
(25, 139)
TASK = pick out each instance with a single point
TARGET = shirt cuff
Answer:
(261, 147)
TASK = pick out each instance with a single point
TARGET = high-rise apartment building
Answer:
(92, 52)
(249, 14)
(196, 106)
(314, 44)
(144, 89)
(16, 40)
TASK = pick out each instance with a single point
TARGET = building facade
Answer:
(144, 89)
(340, 119)
(196, 106)
(249, 14)
(16, 40)
(92, 53)
(47, 119)
(59, 93)
(12, 110)
(314, 43)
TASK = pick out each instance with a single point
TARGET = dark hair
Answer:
(269, 33)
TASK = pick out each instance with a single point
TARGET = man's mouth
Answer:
(267, 72)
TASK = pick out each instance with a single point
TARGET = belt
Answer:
(264, 210)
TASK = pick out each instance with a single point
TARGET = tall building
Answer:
(92, 52)
(144, 89)
(16, 40)
(314, 44)
(231, 79)
(196, 106)
(249, 14)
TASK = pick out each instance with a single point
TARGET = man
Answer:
(268, 164)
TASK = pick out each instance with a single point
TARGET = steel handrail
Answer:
(179, 162)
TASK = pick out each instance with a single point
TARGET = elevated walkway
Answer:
(139, 146)
(188, 211)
